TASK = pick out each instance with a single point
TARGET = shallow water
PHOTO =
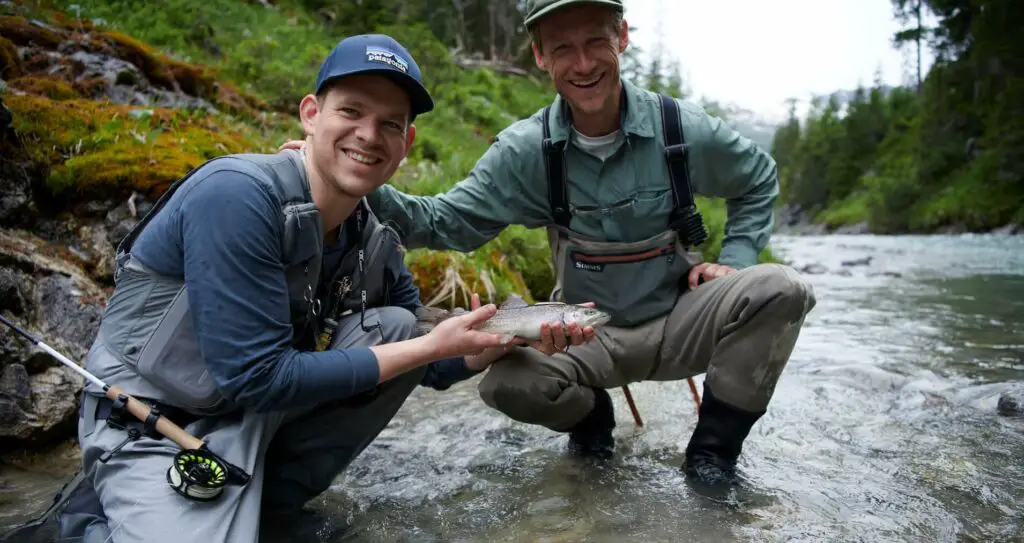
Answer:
(883, 428)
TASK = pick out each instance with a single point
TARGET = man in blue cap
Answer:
(263, 308)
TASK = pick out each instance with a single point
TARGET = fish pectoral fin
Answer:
(513, 301)
(507, 338)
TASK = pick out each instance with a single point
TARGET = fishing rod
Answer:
(197, 472)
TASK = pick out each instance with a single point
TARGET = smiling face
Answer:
(358, 132)
(579, 47)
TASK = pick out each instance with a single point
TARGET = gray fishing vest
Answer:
(146, 342)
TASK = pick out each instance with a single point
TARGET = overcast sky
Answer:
(757, 53)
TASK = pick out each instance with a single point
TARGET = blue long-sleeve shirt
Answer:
(221, 231)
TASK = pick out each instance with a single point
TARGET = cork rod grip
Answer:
(166, 428)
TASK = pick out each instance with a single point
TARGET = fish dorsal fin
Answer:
(514, 301)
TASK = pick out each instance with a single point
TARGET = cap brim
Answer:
(419, 98)
(566, 3)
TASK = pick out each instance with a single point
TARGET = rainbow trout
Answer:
(517, 318)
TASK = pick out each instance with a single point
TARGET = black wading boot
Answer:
(592, 436)
(716, 442)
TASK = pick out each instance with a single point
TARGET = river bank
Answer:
(790, 219)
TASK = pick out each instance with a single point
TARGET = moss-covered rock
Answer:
(21, 31)
(87, 57)
(48, 87)
(98, 150)
(10, 59)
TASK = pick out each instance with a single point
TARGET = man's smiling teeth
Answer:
(587, 82)
(359, 157)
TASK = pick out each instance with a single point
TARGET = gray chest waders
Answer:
(685, 219)
(196, 473)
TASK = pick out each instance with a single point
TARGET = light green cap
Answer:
(535, 9)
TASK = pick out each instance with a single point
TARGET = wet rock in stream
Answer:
(1011, 402)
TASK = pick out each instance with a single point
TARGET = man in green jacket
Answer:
(592, 168)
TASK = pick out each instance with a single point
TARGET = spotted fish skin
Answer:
(516, 318)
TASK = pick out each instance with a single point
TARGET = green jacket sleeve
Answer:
(499, 191)
(746, 176)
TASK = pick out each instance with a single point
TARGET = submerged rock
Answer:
(1011, 402)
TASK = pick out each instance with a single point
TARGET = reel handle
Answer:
(164, 425)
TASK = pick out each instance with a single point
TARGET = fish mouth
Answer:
(599, 319)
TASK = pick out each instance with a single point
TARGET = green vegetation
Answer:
(254, 61)
(946, 152)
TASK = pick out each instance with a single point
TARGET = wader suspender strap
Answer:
(684, 219)
(555, 163)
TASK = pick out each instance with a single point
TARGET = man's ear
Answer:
(409, 138)
(309, 108)
(538, 57)
(623, 36)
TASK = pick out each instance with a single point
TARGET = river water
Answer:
(883, 428)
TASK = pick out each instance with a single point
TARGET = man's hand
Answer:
(553, 338)
(708, 272)
(456, 336)
(482, 361)
(293, 144)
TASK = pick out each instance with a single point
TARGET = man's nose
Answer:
(585, 63)
(368, 129)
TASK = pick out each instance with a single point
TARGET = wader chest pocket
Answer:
(634, 282)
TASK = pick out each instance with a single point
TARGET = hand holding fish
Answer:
(480, 362)
(549, 327)
(458, 335)
(553, 338)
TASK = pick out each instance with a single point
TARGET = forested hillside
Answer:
(944, 154)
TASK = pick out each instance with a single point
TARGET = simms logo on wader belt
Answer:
(586, 266)
(685, 217)
(384, 56)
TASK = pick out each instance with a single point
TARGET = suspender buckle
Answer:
(678, 151)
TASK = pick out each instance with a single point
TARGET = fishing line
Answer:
(197, 472)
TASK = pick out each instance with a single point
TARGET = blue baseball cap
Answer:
(377, 54)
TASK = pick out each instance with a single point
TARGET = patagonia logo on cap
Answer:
(385, 56)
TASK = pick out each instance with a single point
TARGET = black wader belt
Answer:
(684, 217)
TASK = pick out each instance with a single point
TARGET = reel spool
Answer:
(198, 475)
